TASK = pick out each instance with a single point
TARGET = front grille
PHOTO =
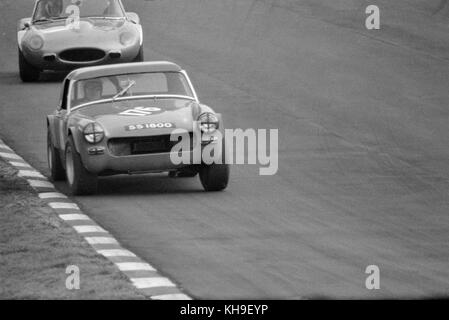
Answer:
(143, 145)
(82, 55)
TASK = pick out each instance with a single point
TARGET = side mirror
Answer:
(133, 17)
(24, 23)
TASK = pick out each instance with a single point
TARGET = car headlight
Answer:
(126, 38)
(93, 133)
(208, 122)
(36, 42)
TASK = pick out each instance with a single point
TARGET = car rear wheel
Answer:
(28, 73)
(57, 171)
(140, 56)
(80, 181)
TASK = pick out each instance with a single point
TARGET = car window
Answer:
(127, 85)
(156, 83)
(54, 9)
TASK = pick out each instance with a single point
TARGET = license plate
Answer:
(143, 126)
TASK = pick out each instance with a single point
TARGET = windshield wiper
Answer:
(49, 19)
(43, 20)
(124, 90)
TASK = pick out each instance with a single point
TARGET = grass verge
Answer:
(36, 247)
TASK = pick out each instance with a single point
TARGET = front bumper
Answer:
(109, 164)
(105, 163)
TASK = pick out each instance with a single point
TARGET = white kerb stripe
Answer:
(10, 156)
(176, 296)
(116, 253)
(140, 283)
(52, 195)
(74, 216)
(101, 240)
(87, 229)
(144, 283)
(4, 146)
(20, 164)
(29, 174)
(40, 184)
(134, 266)
(63, 205)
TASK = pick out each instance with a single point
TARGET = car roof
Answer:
(123, 68)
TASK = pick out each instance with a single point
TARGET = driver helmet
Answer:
(93, 89)
(53, 8)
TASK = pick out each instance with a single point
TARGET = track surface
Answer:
(363, 171)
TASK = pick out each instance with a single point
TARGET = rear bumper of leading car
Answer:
(49, 60)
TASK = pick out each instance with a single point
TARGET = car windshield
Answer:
(118, 87)
(47, 10)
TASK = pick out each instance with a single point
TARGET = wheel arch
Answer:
(72, 132)
(51, 129)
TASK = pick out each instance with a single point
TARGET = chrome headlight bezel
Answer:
(208, 122)
(93, 133)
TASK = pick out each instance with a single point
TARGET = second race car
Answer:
(67, 34)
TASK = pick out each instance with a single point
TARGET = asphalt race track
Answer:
(363, 121)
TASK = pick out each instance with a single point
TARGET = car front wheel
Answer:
(28, 73)
(214, 177)
(80, 181)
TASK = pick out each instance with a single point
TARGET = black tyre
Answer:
(214, 177)
(28, 73)
(57, 171)
(140, 56)
(80, 181)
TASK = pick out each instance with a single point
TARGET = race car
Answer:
(69, 34)
(131, 119)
